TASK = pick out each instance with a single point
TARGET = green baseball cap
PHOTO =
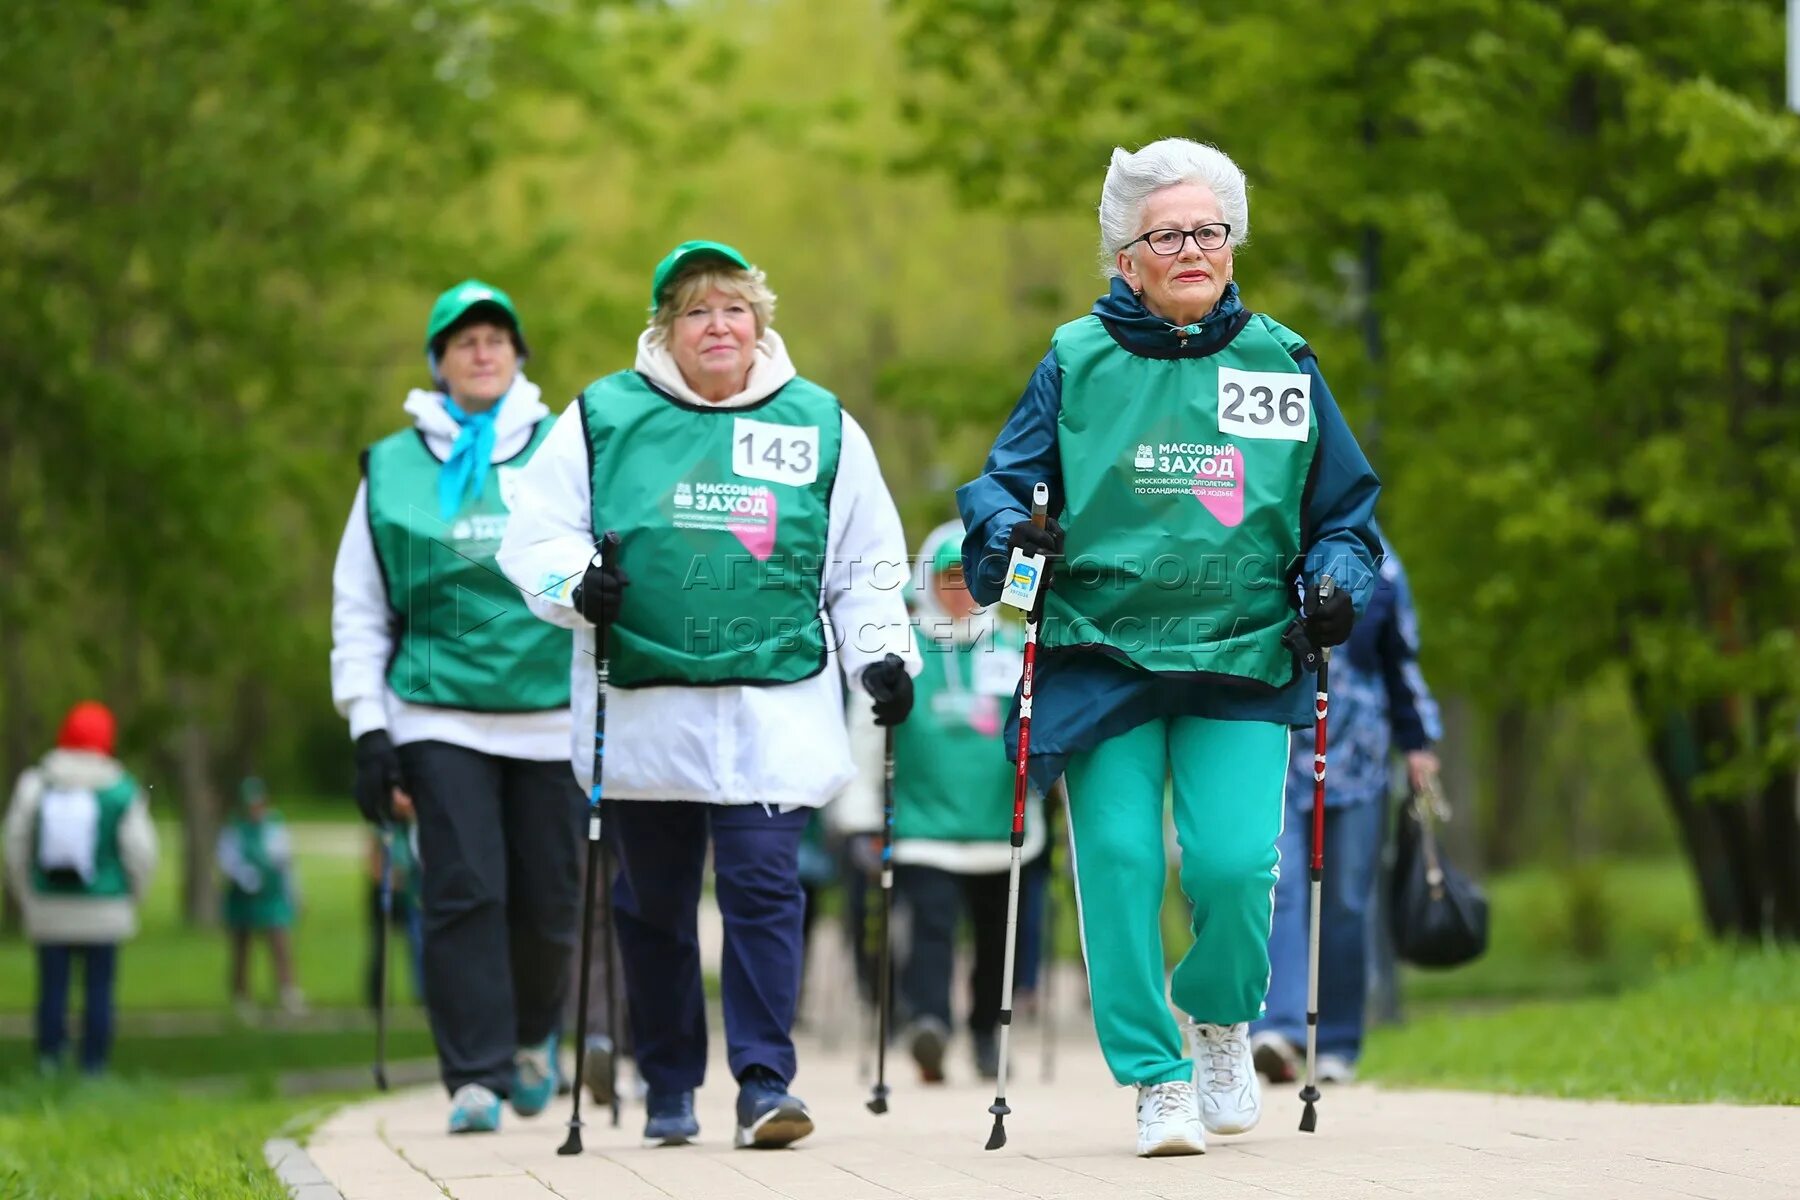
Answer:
(681, 255)
(456, 303)
(949, 554)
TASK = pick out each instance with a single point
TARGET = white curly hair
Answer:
(1132, 176)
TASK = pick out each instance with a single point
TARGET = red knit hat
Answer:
(89, 726)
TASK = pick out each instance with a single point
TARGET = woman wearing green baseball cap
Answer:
(758, 573)
(458, 700)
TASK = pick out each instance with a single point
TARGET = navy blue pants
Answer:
(656, 902)
(55, 973)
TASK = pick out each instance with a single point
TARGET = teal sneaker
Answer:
(534, 1077)
(474, 1109)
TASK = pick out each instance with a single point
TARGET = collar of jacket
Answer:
(1143, 333)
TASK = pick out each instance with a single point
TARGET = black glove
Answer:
(602, 588)
(377, 775)
(1328, 619)
(1047, 541)
(892, 689)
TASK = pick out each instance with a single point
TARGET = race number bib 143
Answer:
(778, 453)
(1275, 405)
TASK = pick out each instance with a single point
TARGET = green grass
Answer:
(252, 1056)
(115, 1140)
(1725, 1027)
(170, 965)
(1596, 929)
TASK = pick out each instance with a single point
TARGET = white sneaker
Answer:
(1225, 1077)
(1168, 1120)
(1335, 1068)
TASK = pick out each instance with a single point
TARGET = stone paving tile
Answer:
(1073, 1140)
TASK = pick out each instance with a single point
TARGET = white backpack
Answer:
(68, 833)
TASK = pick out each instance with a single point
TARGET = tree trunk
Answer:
(200, 807)
(1512, 782)
(1716, 834)
(1779, 837)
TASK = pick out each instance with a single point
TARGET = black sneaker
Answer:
(597, 1068)
(987, 1054)
(767, 1117)
(928, 1039)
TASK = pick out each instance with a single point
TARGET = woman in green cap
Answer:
(758, 573)
(458, 699)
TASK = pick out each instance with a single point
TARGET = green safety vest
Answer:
(952, 782)
(464, 636)
(109, 879)
(1183, 481)
(722, 516)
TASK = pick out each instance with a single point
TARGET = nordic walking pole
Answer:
(1309, 1094)
(612, 987)
(608, 545)
(386, 906)
(1040, 509)
(884, 989)
(1047, 954)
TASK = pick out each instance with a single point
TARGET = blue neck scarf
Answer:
(464, 473)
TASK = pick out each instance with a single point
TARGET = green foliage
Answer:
(77, 1140)
(1586, 282)
(1593, 929)
(1723, 1028)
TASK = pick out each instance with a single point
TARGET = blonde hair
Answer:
(750, 286)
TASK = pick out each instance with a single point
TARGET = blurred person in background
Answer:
(80, 850)
(458, 701)
(404, 913)
(260, 895)
(953, 795)
(1379, 705)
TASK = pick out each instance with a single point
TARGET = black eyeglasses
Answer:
(1168, 242)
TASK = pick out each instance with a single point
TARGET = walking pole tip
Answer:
(1309, 1115)
(573, 1145)
(878, 1102)
(997, 1136)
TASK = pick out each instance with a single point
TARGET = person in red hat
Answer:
(80, 850)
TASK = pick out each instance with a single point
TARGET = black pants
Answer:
(500, 847)
(935, 900)
(599, 1011)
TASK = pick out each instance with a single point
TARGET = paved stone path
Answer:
(1073, 1140)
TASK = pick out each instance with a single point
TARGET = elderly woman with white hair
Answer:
(758, 570)
(1202, 482)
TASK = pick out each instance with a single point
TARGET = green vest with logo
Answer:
(952, 782)
(1183, 484)
(109, 879)
(722, 516)
(464, 636)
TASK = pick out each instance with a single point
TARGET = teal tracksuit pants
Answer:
(1228, 782)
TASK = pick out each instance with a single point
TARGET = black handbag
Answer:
(1439, 915)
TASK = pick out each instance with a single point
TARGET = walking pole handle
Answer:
(1040, 503)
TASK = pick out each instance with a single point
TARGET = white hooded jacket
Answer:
(362, 638)
(780, 744)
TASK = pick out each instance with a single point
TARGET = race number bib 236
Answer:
(1274, 405)
(778, 453)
